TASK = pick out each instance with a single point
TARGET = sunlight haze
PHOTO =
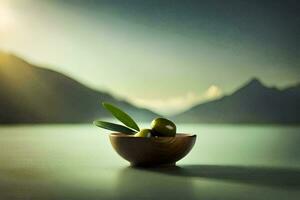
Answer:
(162, 61)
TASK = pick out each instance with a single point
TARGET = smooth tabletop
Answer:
(61, 162)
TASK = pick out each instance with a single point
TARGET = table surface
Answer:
(76, 162)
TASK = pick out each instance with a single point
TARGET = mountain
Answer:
(252, 103)
(30, 94)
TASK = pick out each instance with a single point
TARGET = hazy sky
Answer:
(162, 54)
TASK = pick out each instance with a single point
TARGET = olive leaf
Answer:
(114, 127)
(121, 115)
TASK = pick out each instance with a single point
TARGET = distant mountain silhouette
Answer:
(30, 94)
(252, 103)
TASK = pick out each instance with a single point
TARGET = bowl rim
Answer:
(178, 135)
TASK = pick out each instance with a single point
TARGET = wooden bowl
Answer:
(154, 151)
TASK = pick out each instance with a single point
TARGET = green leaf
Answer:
(121, 115)
(114, 127)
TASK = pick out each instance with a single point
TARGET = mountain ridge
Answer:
(31, 94)
(253, 102)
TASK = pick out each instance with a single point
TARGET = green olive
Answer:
(163, 127)
(143, 133)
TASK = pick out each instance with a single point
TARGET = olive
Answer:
(144, 133)
(163, 127)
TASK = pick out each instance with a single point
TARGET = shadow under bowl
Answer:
(153, 151)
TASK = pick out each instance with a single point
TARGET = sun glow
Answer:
(212, 92)
(178, 104)
(6, 18)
